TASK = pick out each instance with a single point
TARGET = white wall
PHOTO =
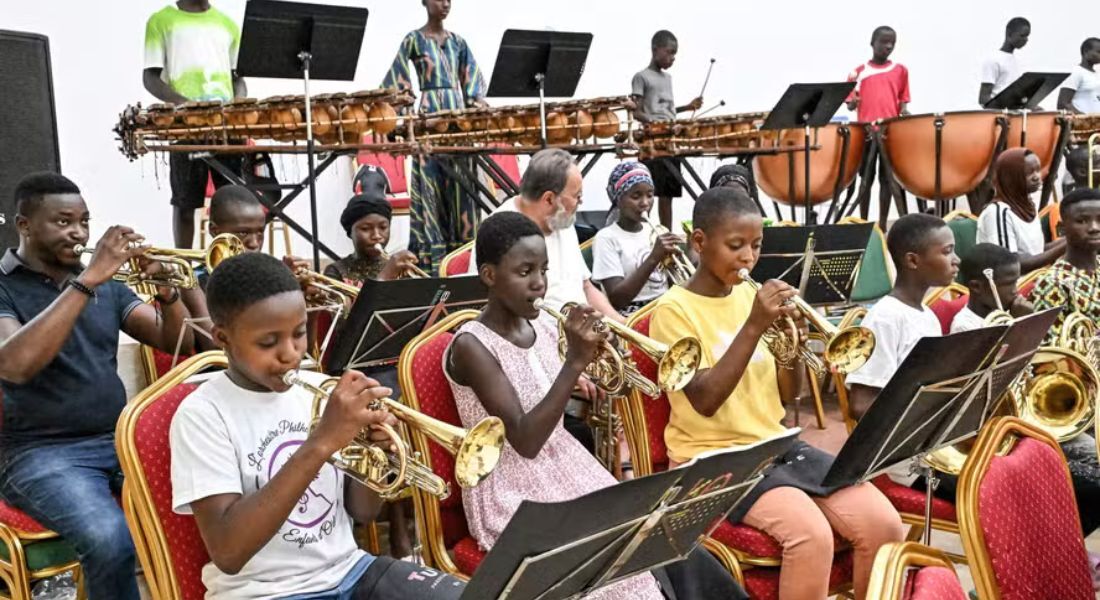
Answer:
(760, 48)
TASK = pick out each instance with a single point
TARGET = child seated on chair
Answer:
(1005, 267)
(923, 250)
(247, 462)
(627, 256)
(736, 398)
(506, 364)
(1073, 282)
(366, 220)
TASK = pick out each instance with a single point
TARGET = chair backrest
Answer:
(425, 388)
(965, 227)
(457, 263)
(646, 417)
(586, 252)
(876, 271)
(945, 310)
(1018, 518)
(172, 551)
(912, 571)
(1051, 216)
(393, 166)
(1027, 282)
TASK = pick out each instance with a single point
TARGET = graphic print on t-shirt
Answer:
(314, 517)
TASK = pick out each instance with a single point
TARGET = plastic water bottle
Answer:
(58, 587)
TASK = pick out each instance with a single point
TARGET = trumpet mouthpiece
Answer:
(79, 249)
(539, 303)
(291, 377)
(743, 274)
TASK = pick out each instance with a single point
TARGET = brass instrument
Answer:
(677, 266)
(676, 363)
(180, 272)
(999, 316)
(413, 271)
(333, 291)
(846, 349)
(476, 450)
(1078, 333)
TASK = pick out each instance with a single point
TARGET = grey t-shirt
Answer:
(655, 89)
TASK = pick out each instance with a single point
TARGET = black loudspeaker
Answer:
(28, 123)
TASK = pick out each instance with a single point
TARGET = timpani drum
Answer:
(1042, 134)
(941, 156)
(773, 172)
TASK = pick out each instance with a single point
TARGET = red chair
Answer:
(1019, 519)
(751, 555)
(169, 547)
(1027, 282)
(424, 387)
(394, 168)
(457, 263)
(910, 571)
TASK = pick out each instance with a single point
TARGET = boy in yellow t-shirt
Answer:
(736, 399)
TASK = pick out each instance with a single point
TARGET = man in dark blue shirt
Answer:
(59, 326)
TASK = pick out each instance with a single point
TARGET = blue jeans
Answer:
(68, 486)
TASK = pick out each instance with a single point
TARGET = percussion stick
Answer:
(720, 104)
(706, 80)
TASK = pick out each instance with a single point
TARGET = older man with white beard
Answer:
(550, 194)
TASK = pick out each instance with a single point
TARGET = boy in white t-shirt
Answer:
(1080, 92)
(1006, 273)
(923, 250)
(1001, 68)
(626, 258)
(247, 462)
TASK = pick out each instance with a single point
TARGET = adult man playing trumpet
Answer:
(59, 325)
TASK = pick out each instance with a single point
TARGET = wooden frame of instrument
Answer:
(425, 506)
(989, 444)
(137, 498)
(891, 568)
(637, 437)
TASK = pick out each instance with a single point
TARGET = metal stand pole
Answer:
(810, 218)
(541, 79)
(306, 57)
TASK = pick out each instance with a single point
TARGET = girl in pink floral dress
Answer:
(506, 364)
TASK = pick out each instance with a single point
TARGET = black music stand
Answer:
(931, 402)
(295, 40)
(807, 105)
(553, 551)
(387, 314)
(539, 63)
(822, 261)
(1025, 94)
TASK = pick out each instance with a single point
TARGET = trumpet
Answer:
(412, 271)
(179, 271)
(677, 266)
(1000, 316)
(846, 349)
(676, 363)
(476, 450)
(333, 291)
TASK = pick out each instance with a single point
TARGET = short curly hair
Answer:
(718, 203)
(499, 233)
(242, 281)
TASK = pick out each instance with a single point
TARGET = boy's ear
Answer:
(698, 238)
(488, 274)
(221, 340)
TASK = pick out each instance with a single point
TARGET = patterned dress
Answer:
(443, 216)
(1065, 285)
(563, 469)
(354, 269)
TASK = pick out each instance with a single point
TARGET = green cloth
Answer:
(873, 280)
(966, 237)
(196, 52)
(44, 553)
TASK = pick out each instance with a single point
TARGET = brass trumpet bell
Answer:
(413, 272)
(180, 272)
(332, 290)
(477, 450)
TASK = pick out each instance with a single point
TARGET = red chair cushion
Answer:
(908, 500)
(13, 517)
(459, 264)
(162, 362)
(1025, 290)
(184, 543)
(400, 204)
(934, 583)
(945, 311)
(762, 583)
(1027, 512)
(657, 410)
(434, 395)
(467, 555)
